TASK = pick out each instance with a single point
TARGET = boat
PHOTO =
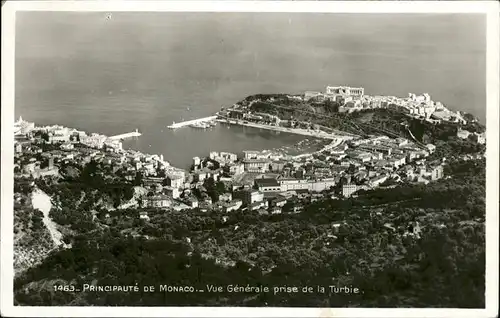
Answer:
(201, 125)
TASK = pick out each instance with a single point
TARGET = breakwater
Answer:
(190, 122)
(135, 133)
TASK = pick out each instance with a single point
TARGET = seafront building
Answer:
(22, 127)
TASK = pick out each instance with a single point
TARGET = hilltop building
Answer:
(313, 95)
(345, 91)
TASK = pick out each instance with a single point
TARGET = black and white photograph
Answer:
(257, 156)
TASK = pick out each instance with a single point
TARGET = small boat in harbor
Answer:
(201, 125)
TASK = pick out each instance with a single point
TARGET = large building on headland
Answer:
(345, 90)
(337, 93)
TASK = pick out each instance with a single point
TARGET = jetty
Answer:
(135, 133)
(190, 122)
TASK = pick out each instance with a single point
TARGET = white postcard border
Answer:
(8, 44)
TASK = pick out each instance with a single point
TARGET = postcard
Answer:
(249, 158)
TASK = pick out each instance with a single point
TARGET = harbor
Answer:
(297, 131)
(211, 121)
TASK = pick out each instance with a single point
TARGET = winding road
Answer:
(42, 202)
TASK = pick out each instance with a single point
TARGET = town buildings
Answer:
(257, 180)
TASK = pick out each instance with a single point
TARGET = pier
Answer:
(135, 133)
(190, 122)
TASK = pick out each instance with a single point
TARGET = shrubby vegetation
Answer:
(83, 191)
(32, 240)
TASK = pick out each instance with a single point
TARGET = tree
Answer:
(138, 181)
(331, 106)
(160, 173)
(45, 136)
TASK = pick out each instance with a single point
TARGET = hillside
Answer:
(383, 121)
(110, 223)
(369, 242)
(32, 240)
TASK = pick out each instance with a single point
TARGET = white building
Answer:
(349, 189)
(232, 205)
(424, 98)
(237, 168)
(196, 161)
(172, 192)
(175, 181)
(463, 134)
(288, 184)
(309, 95)
(256, 165)
(22, 127)
(437, 173)
(322, 184)
(481, 138)
(223, 157)
(143, 215)
(249, 197)
(345, 90)
(93, 141)
(225, 197)
(67, 146)
(267, 185)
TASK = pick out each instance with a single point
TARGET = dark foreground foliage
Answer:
(360, 243)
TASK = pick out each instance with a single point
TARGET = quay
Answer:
(190, 122)
(298, 131)
(135, 133)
